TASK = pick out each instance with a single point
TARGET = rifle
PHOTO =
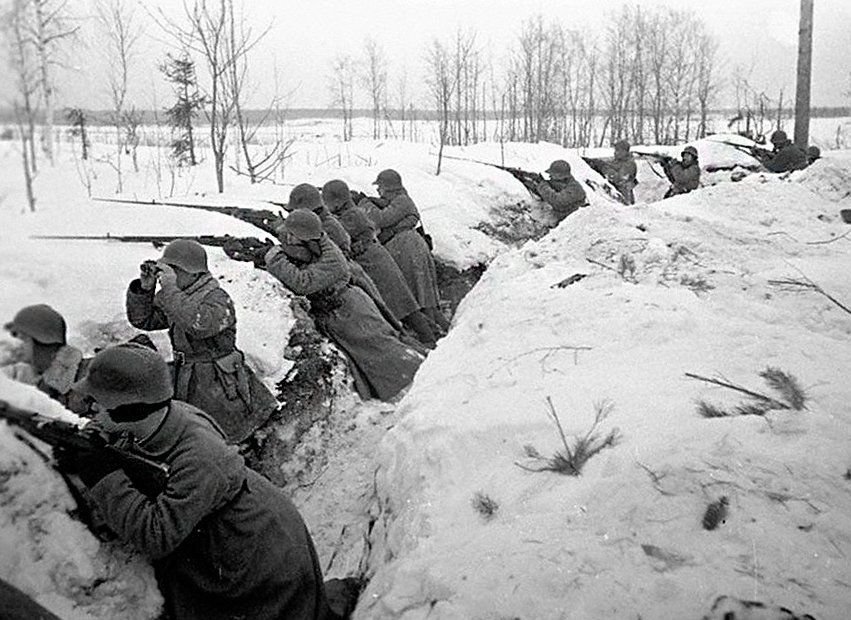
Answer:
(149, 476)
(761, 155)
(664, 160)
(263, 219)
(529, 179)
(244, 249)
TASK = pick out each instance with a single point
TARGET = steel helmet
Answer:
(187, 254)
(126, 374)
(779, 137)
(690, 150)
(813, 153)
(388, 179)
(304, 196)
(303, 225)
(622, 145)
(335, 193)
(41, 323)
(559, 169)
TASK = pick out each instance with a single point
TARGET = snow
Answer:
(682, 285)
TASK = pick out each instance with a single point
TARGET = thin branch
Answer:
(776, 404)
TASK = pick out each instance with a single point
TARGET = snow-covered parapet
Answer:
(692, 284)
(47, 553)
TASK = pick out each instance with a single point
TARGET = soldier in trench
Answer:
(396, 218)
(308, 263)
(210, 372)
(224, 542)
(377, 261)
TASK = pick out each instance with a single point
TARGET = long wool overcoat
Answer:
(225, 543)
(396, 224)
(349, 317)
(210, 372)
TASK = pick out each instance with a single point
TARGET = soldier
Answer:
(813, 153)
(684, 175)
(48, 362)
(396, 217)
(621, 172)
(224, 542)
(785, 156)
(306, 196)
(209, 371)
(376, 261)
(310, 264)
(562, 192)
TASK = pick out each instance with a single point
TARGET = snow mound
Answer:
(699, 283)
(48, 554)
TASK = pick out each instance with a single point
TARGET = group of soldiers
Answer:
(224, 541)
(684, 174)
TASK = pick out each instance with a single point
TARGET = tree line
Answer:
(652, 75)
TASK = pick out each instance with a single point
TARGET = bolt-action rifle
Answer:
(529, 180)
(264, 219)
(245, 249)
(149, 476)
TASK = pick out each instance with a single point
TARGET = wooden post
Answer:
(805, 61)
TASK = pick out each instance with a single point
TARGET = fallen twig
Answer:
(776, 404)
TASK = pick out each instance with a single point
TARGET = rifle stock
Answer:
(149, 476)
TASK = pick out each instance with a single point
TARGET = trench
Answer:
(320, 446)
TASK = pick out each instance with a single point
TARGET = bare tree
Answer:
(375, 81)
(23, 62)
(122, 32)
(216, 31)
(342, 89)
(441, 85)
(50, 26)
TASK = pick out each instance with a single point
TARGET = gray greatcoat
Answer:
(349, 317)
(210, 372)
(225, 542)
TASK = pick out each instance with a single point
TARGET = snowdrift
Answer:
(691, 284)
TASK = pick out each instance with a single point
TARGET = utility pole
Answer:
(805, 63)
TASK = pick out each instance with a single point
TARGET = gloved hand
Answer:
(166, 276)
(94, 466)
(148, 275)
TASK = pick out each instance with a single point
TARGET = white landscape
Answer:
(447, 523)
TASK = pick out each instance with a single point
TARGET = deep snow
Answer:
(624, 539)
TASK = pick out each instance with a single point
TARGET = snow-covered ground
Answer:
(683, 285)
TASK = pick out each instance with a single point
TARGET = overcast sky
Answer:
(758, 35)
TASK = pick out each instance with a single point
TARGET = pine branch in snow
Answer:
(786, 385)
(708, 410)
(485, 505)
(572, 458)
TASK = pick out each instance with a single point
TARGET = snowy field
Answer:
(693, 284)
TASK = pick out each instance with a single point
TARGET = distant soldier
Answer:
(396, 218)
(684, 175)
(622, 171)
(209, 371)
(786, 156)
(310, 264)
(813, 153)
(48, 362)
(562, 192)
(224, 541)
(377, 261)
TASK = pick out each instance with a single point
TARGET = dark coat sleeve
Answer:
(788, 158)
(401, 210)
(141, 310)
(201, 318)
(331, 268)
(157, 526)
(565, 201)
